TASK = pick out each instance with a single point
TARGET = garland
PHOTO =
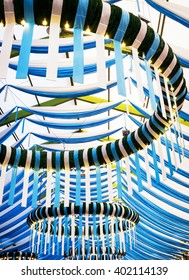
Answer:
(128, 144)
(81, 231)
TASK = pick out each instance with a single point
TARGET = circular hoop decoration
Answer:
(81, 231)
(15, 255)
(149, 45)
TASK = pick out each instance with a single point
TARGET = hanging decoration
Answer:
(99, 230)
(145, 44)
(59, 92)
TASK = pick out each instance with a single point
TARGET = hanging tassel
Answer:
(136, 65)
(138, 172)
(122, 28)
(101, 62)
(94, 240)
(107, 229)
(150, 85)
(138, 6)
(173, 149)
(53, 47)
(121, 234)
(135, 46)
(35, 181)
(178, 124)
(57, 181)
(169, 100)
(23, 61)
(134, 149)
(80, 231)
(78, 177)
(149, 181)
(118, 169)
(23, 124)
(110, 185)
(78, 67)
(101, 228)
(14, 177)
(26, 178)
(98, 175)
(73, 228)
(168, 155)
(128, 175)
(59, 228)
(112, 221)
(7, 37)
(100, 51)
(177, 143)
(161, 159)
(54, 237)
(144, 149)
(49, 179)
(160, 94)
(155, 163)
(3, 172)
(38, 236)
(42, 244)
(87, 176)
(67, 179)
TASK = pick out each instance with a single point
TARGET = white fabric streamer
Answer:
(7, 38)
(53, 48)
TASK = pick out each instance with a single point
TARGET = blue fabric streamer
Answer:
(14, 177)
(72, 115)
(133, 148)
(138, 6)
(172, 15)
(23, 62)
(79, 139)
(124, 22)
(168, 155)
(74, 125)
(4, 116)
(98, 175)
(150, 85)
(155, 162)
(63, 93)
(78, 67)
(63, 72)
(57, 181)
(118, 169)
(35, 182)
